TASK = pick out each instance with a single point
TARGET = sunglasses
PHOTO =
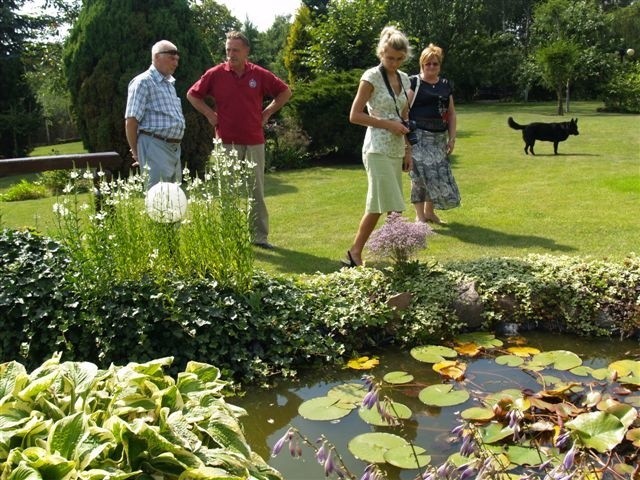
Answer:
(431, 64)
(170, 52)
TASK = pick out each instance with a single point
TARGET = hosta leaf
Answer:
(598, 430)
(227, 433)
(348, 393)
(81, 375)
(433, 353)
(66, 434)
(371, 447)
(324, 408)
(407, 456)
(206, 473)
(50, 466)
(483, 339)
(362, 363)
(509, 360)
(9, 374)
(13, 414)
(373, 417)
(206, 373)
(23, 472)
(398, 378)
(110, 474)
(37, 385)
(558, 359)
(442, 396)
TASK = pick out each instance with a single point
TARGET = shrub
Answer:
(322, 107)
(622, 93)
(24, 190)
(57, 180)
(286, 146)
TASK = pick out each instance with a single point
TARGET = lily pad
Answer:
(442, 396)
(371, 447)
(509, 360)
(324, 408)
(634, 436)
(494, 432)
(398, 378)
(524, 455)
(433, 353)
(598, 430)
(523, 351)
(407, 456)
(477, 414)
(348, 393)
(626, 367)
(558, 359)
(362, 363)
(395, 409)
(450, 369)
(511, 394)
(483, 339)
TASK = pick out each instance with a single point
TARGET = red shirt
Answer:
(238, 100)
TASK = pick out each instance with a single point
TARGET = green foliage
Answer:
(296, 55)
(348, 38)
(213, 20)
(557, 61)
(286, 145)
(284, 324)
(622, 93)
(322, 108)
(98, 69)
(24, 190)
(57, 180)
(66, 420)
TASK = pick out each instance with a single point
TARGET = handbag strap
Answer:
(415, 92)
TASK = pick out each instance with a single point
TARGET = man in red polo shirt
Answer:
(238, 88)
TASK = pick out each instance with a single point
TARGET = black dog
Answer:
(548, 132)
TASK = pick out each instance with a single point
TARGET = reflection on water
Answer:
(271, 412)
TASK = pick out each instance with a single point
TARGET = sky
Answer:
(261, 12)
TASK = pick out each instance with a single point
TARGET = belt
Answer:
(160, 137)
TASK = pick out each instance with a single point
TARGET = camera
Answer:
(412, 136)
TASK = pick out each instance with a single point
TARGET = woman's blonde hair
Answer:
(431, 51)
(394, 38)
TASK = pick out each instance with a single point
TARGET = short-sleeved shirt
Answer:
(152, 100)
(238, 100)
(382, 105)
(431, 101)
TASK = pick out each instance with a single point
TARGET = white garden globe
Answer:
(166, 202)
(631, 52)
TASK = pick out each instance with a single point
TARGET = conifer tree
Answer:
(109, 45)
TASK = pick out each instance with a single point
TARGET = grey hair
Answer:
(159, 46)
(394, 38)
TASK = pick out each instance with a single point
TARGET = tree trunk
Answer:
(559, 95)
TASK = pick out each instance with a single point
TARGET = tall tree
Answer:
(110, 44)
(296, 54)
(19, 111)
(213, 21)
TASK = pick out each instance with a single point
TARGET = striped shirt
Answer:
(153, 102)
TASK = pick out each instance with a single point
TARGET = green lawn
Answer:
(584, 201)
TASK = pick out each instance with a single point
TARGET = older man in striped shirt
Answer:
(154, 122)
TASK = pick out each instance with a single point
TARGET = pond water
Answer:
(271, 412)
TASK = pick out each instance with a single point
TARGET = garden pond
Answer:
(271, 412)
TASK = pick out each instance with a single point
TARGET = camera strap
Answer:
(383, 72)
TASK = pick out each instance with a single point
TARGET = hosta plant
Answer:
(72, 420)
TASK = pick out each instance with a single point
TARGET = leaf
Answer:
(625, 413)
(66, 434)
(523, 351)
(24, 472)
(81, 375)
(450, 369)
(477, 414)
(395, 409)
(483, 339)
(626, 367)
(371, 447)
(433, 353)
(520, 455)
(633, 435)
(442, 396)
(598, 430)
(494, 432)
(398, 378)
(206, 473)
(407, 456)
(509, 360)
(9, 374)
(362, 363)
(558, 359)
(37, 385)
(324, 408)
(348, 393)
(468, 349)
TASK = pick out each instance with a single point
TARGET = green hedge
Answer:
(286, 323)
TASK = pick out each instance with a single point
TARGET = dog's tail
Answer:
(514, 125)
